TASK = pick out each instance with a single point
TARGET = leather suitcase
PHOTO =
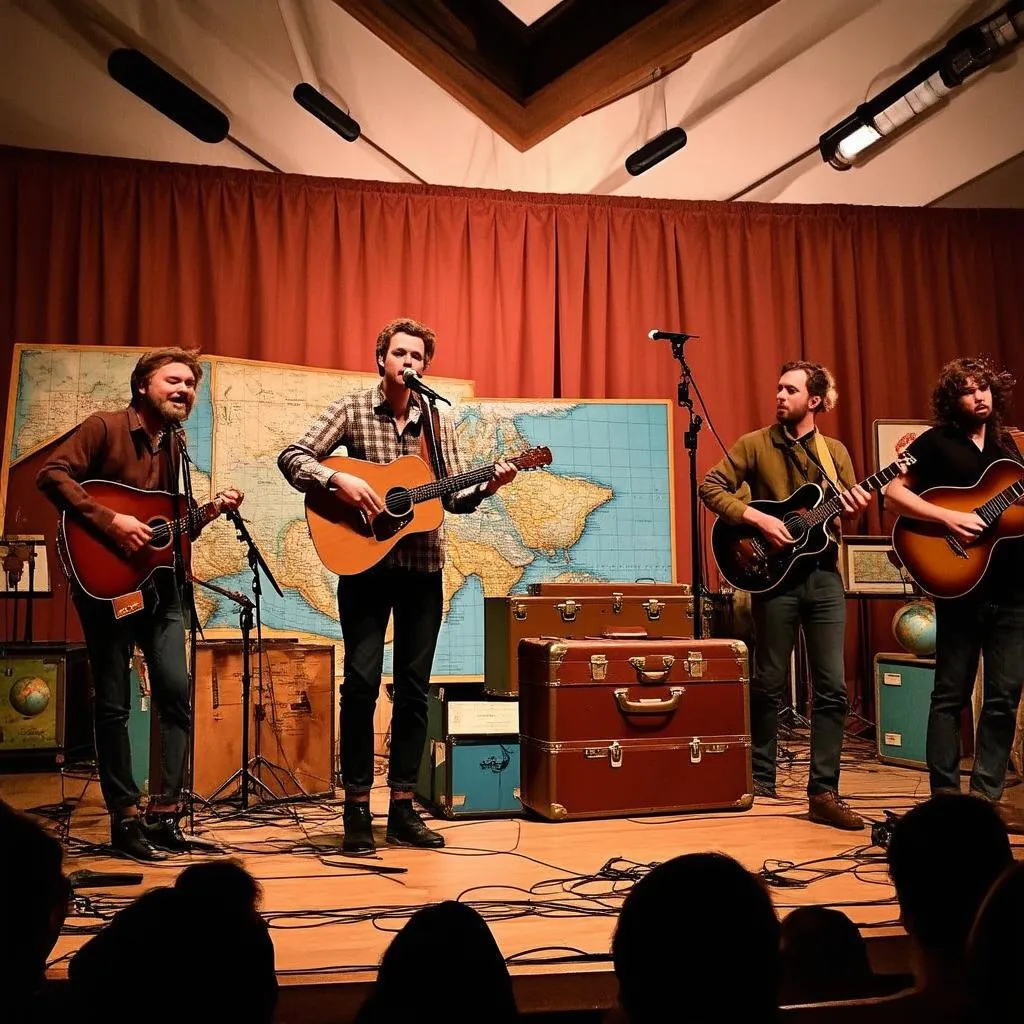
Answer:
(507, 620)
(618, 726)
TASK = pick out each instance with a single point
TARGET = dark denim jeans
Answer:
(966, 627)
(815, 600)
(159, 631)
(365, 604)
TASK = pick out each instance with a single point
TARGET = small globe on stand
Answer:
(913, 626)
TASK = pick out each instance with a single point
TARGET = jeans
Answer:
(159, 630)
(815, 600)
(965, 627)
(365, 603)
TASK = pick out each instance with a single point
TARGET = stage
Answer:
(550, 892)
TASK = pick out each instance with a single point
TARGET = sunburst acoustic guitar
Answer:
(940, 563)
(346, 542)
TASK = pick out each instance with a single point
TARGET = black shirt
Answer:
(947, 457)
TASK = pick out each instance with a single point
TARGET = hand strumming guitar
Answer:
(128, 533)
(965, 526)
(773, 529)
(355, 491)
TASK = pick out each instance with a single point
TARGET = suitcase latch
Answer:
(616, 604)
(598, 667)
(519, 611)
(639, 663)
(568, 610)
(613, 752)
(695, 751)
(695, 663)
(653, 608)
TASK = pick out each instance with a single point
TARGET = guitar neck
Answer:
(833, 507)
(997, 505)
(451, 484)
(191, 523)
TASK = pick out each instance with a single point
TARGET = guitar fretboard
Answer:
(833, 507)
(195, 517)
(438, 488)
(997, 505)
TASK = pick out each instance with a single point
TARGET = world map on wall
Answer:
(603, 510)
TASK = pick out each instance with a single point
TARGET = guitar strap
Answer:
(430, 440)
(825, 457)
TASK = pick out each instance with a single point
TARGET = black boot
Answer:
(128, 838)
(358, 823)
(406, 828)
(164, 831)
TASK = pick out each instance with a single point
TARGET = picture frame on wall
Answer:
(868, 570)
(892, 437)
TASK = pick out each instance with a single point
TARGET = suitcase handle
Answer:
(661, 675)
(649, 705)
(624, 634)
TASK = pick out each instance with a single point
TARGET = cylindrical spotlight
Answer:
(656, 150)
(173, 98)
(324, 110)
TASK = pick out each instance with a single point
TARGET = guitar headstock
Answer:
(532, 459)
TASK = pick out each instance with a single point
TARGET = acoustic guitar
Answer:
(347, 542)
(96, 563)
(749, 561)
(939, 562)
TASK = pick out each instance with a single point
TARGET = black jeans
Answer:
(365, 604)
(159, 631)
(966, 627)
(815, 600)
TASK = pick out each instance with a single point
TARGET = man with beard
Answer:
(968, 403)
(774, 462)
(135, 446)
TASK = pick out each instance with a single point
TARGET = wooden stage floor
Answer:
(550, 892)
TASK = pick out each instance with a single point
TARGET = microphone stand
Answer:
(690, 440)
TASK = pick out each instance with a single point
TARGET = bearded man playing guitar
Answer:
(967, 445)
(132, 453)
(381, 425)
(773, 463)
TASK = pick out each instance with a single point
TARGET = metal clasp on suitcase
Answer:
(694, 664)
(653, 608)
(568, 610)
(649, 705)
(698, 749)
(613, 752)
(519, 611)
(639, 663)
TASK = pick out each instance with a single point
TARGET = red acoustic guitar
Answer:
(348, 543)
(95, 562)
(940, 563)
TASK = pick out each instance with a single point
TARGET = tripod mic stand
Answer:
(690, 439)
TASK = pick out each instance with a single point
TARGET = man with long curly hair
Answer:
(773, 463)
(969, 401)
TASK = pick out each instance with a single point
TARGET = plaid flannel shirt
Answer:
(364, 424)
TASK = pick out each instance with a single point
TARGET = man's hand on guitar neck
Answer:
(355, 491)
(504, 473)
(854, 501)
(229, 499)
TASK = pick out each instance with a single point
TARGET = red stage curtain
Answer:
(531, 295)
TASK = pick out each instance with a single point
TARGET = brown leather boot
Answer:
(828, 809)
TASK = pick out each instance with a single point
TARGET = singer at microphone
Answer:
(414, 382)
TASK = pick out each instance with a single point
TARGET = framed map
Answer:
(868, 570)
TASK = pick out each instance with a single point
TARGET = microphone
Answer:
(414, 382)
(670, 336)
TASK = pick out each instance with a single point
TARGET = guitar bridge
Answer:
(955, 546)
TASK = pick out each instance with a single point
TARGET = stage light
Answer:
(653, 152)
(173, 98)
(924, 87)
(324, 110)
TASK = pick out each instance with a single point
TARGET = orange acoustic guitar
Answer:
(95, 562)
(348, 543)
(940, 563)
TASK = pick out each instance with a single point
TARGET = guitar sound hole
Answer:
(397, 501)
(162, 535)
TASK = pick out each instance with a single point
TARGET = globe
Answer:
(30, 696)
(913, 626)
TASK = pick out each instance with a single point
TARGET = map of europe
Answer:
(603, 509)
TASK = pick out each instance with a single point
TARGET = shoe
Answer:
(358, 824)
(1012, 817)
(164, 832)
(765, 789)
(128, 838)
(406, 828)
(828, 809)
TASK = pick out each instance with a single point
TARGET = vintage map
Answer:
(602, 511)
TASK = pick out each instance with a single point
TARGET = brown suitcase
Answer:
(507, 620)
(632, 725)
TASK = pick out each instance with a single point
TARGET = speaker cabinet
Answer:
(45, 711)
(291, 719)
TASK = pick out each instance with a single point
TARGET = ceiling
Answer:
(527, 94)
